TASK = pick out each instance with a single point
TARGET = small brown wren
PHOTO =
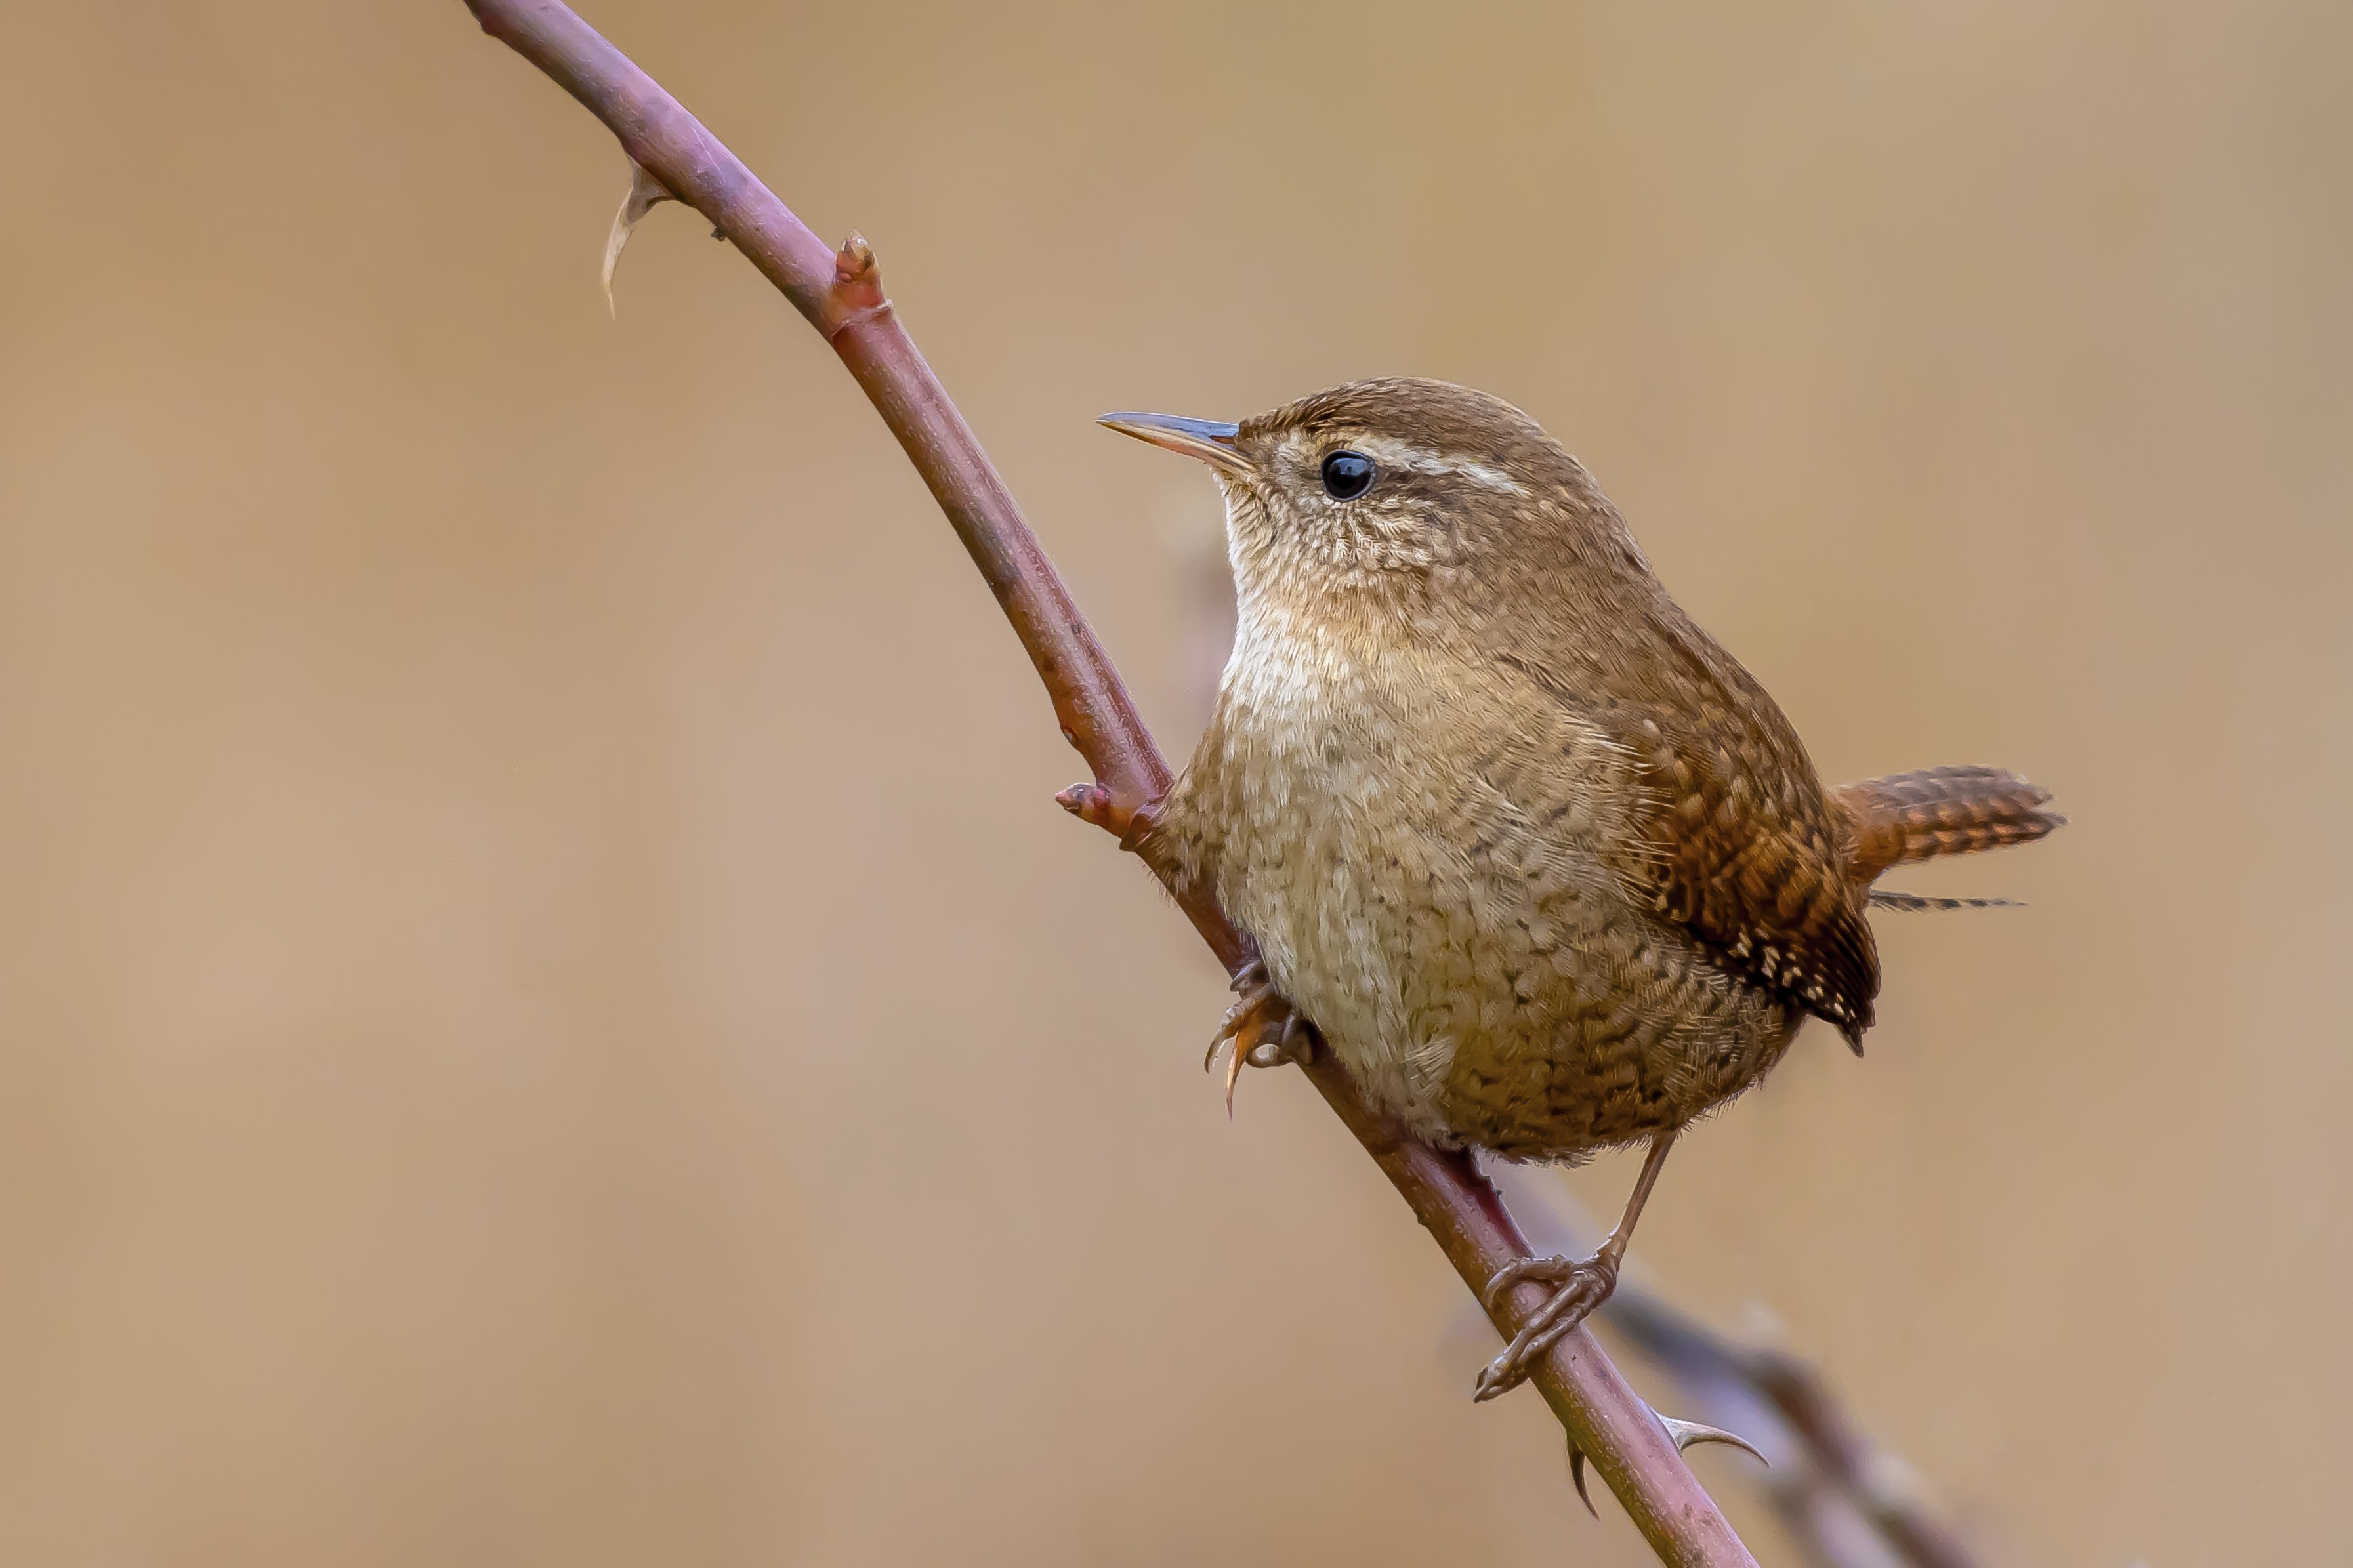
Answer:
(1546, 867)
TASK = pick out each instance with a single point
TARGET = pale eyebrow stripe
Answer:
(1405, 455)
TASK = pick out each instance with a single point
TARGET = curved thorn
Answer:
(1576, 1474)
(645, 193)
(1688, 1434)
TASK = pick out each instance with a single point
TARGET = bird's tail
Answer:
(1941, 811)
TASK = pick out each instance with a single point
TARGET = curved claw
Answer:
(1551, 1270)
(1688, 1434)
(1292, 1044)
(1248, 981)
(1254, 1016)
(1582, 1287)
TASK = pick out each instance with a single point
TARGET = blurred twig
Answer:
(841, 292)
(1846, 1502)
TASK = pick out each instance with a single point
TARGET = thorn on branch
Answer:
(1688, 1434)
(1576, 1475)
(646, 193)
(1445, 1191)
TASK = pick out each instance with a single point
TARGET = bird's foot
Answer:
(1265, 1030)
(1685, 1435)
(1582, 1284)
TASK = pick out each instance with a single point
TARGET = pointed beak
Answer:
(1207, 439)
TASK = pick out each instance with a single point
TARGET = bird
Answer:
(1542, 863)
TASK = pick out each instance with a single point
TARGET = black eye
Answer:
(1347, 475)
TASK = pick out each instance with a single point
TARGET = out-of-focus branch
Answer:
(841, 292)
(1846, 1502)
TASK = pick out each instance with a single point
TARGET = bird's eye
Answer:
(1347, 475)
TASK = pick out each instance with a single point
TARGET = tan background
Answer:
(550, 1016)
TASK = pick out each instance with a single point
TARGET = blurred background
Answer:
(550, 1012)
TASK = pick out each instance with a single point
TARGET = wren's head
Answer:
(1404, 491)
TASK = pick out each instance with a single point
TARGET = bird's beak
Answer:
(1210, 440)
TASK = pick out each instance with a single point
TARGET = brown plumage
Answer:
(1546, 867)
(1940, 811)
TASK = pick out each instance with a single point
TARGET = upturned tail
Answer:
(1940, 811)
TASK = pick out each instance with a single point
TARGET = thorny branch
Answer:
(1845, 1501)
(841, 294)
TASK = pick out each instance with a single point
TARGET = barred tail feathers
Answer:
(1941, 811)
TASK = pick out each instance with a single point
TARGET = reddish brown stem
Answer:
(841, 292)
